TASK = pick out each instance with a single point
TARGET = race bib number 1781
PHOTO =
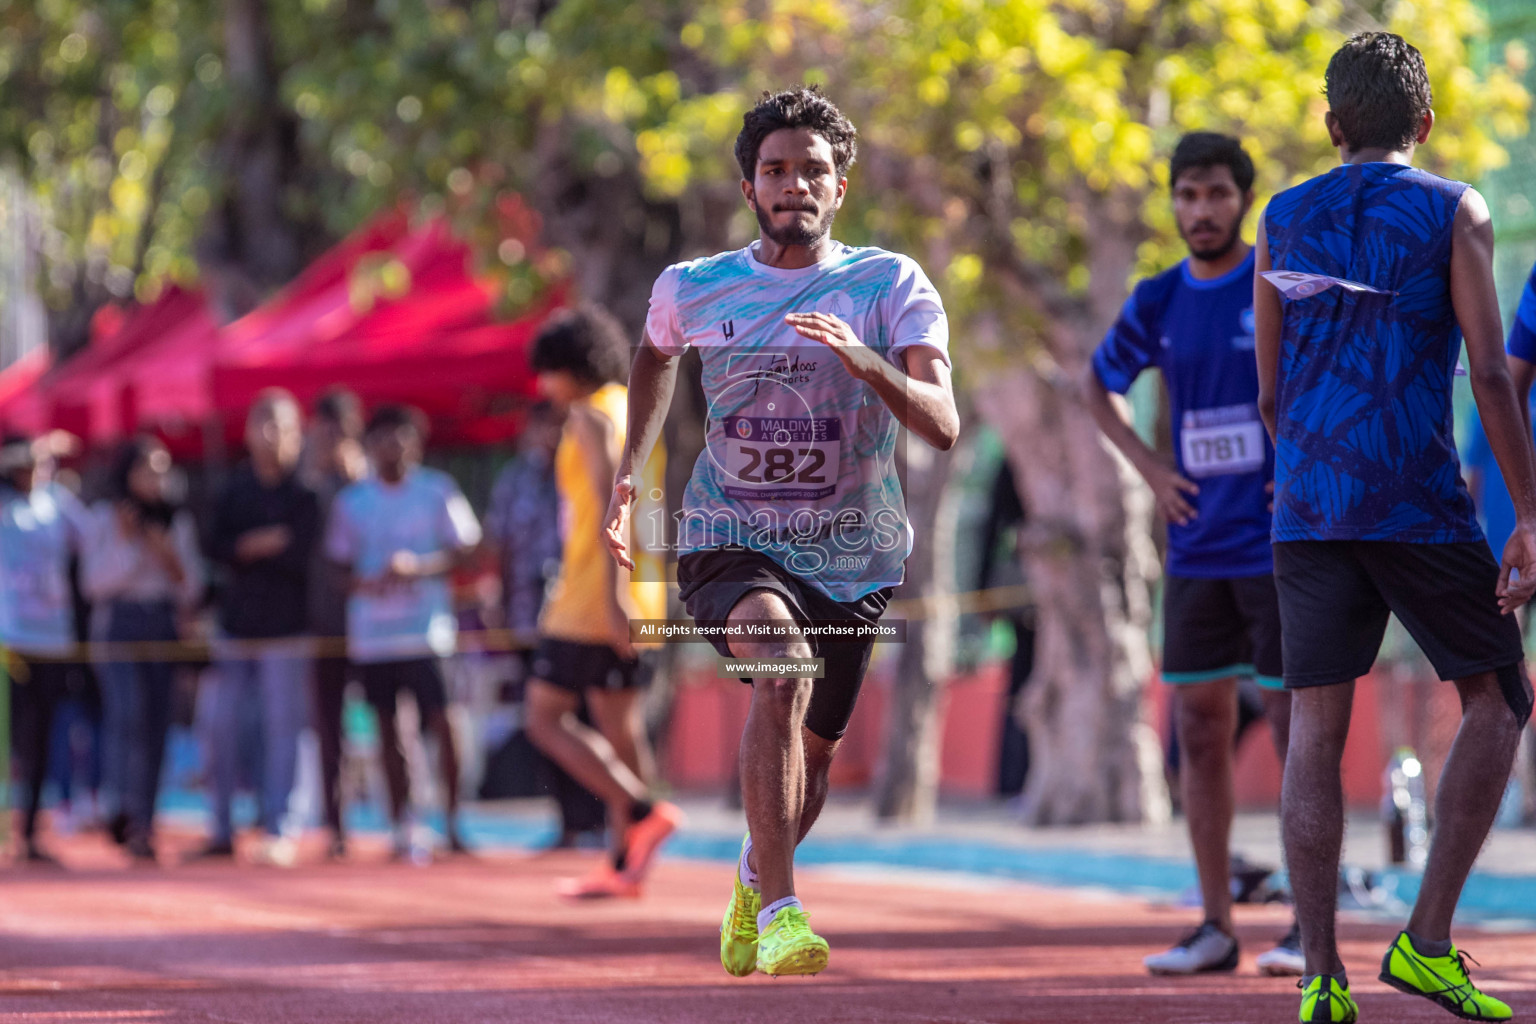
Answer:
(781, 458)
(1215, 442)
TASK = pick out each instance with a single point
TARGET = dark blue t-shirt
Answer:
(1494, 505)
(1200, 335)
(1495, 508)
(1522, 333)
(1365, 448)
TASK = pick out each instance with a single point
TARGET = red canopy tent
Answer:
(393, 312)
(83, 395)
(434, 346)
(169, 386)
(19, 408)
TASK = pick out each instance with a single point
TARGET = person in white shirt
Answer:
(41, 528)
(398, 535)
(142, 569)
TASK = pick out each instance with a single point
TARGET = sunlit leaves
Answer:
(990, 128)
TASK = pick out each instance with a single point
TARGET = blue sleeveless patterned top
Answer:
(1365, 449)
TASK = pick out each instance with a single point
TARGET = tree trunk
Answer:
(254, 240)
(908, 786)
(1088, 554)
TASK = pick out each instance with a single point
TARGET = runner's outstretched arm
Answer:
(652, 376)
(1477, 312)
(919, 395)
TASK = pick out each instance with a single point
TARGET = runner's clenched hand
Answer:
(858, 358)
(1519, 560)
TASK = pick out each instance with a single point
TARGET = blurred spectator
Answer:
(74, 759)
(142, 569)
(41, 529)
(522, 526)
(265, 525)
(399, 533)
(333, 458)
(522, 522)
(1000, 566)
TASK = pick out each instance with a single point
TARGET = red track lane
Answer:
(487, 940)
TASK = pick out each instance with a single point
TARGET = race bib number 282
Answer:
(781, 458)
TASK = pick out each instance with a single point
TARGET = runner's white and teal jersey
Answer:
(800, 458)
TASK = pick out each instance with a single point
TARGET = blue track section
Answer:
(1488, 898)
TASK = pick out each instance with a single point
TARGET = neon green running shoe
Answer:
(788, 946)
(738, 932)
(1440, 979)
(1326, 1000)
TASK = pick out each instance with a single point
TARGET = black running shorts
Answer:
(1220, 629)
(1335, 597)
(579, 667)
(712, 581)
(422, 678)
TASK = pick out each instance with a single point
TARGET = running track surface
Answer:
(485, 939)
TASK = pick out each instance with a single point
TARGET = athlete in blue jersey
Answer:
(1221, 619)
(1522, 343)
(1495, 509)
(1381, 270)
(813, 352)
(1494, 505)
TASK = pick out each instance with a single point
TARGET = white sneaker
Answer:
(412, 845)
(1285, 960)
(277, 852)
(1207, 948)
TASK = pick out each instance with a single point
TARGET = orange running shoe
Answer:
(645, 837)
(604, 883)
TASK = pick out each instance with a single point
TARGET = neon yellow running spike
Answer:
(1440, 979)
(788, 946)
(738, 932)
(1326, 1000)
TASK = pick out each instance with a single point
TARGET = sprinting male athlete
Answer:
(1381, 270)
(815, 354)
(1221, 619)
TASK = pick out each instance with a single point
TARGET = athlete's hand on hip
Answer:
(616, 523)
(1168, 489)
(858, 358)
(1269, 489)
(1517, 569)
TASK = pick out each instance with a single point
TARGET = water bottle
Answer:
(1403, 810)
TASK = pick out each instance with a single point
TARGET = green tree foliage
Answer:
(94, 117)
(987, 125)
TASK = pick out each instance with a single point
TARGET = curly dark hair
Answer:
(1211, 149)
(803, 107)
(586, 342)
(1378, 90)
